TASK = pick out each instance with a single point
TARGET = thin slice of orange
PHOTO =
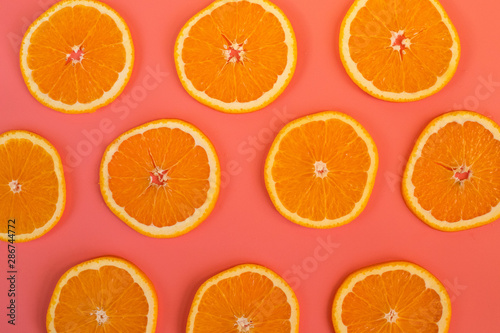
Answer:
(106, 294)
(32, 186)
(399, 50)
(394, 297)
(452, 179)
(161, 178)
(236, 55)
(321, 169)
(246, 298)
(77, 56)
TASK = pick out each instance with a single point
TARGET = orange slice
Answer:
(452, 179)
(399, 51)
(32, 186)
(246, 298)
(105, 294)
(77, 56)
(321, 169)
(161, 178)
(236, 55)
(394, 297)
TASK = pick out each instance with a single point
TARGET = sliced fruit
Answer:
(399, 51)
(236, 55)
(321, 169)
(452, 179)
(106, 294)
(393, 297)
(246, 298)
(77, 56)
(32, 186)
(161, 178)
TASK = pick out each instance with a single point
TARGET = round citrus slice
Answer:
(321, 169)
(161, 178)
(394, 297)
(246, 298)
(236, 55)
(77, 56)
(399, 52)
(452, 179)
(32, 186)
(106, 294)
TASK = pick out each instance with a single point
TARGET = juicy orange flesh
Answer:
(163, 149)
(346, 157)
(33, 169)
(418, 308)
(250, 295)
(452, 148)
(110, 289)
(415, 68)
(95, 35)
(264, 58)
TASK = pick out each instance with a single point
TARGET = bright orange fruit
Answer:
(236, 55)
(321, 169)
(394, 297)
(161, 178)
(106, 294)
(452, 179)
(77, 56)
(32, 186)
(399, 50)
(246, 298)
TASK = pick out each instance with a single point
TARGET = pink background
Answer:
(244, 226)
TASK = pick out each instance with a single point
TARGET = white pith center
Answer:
(75, 49)
(243, 324)
(229, 52)
(396, 41)
(391, 316)
(320, 169)
(158, 177)
(100, 316)
(462, 174)
(15, 186)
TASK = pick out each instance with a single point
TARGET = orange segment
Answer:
(400, 51)
(161, 178)
(245, 298)
(320, 170)
(236, 56)
(109, 56)
(391, 297)
(87, 93)
(106, 294)
(47, 36)
(77, 57)
(84, 20)
(65, 88)
(32, 186)
(44, 56)
(452, 179)
(48, 75)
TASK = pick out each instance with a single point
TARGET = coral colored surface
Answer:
(244, 226)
